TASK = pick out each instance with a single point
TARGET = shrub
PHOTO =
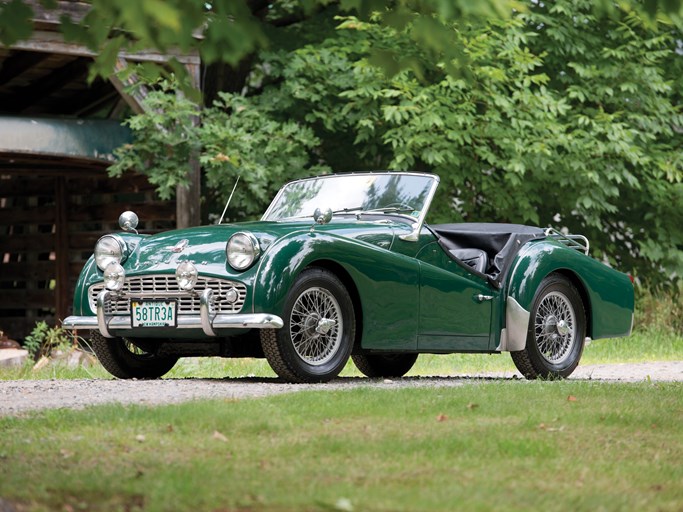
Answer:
(659, 311)
(44, 339)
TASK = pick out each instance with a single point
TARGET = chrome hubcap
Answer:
(315, 326)
(555, 327)
(325, 325)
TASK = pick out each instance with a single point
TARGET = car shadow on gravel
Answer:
(355, 380)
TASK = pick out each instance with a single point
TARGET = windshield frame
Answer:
(418, 221)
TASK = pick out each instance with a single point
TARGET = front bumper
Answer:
(206, 320)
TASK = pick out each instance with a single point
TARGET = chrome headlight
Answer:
(109, 249)
(114, 277)
(186, 274)
(242, 250)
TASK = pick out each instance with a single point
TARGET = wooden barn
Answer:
(57, 137)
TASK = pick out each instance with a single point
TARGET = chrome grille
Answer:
(165, 287)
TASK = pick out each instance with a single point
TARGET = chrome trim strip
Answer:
(571, 241)
(85, 323)
(152, 295)
(102, 323)
(502, 343)
(123, 323)
(414, 236)
(165, 286)
(248, 321)
(516, 327)
(375, 173)
(205, 302)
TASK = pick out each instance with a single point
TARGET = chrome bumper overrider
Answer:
(206, 321)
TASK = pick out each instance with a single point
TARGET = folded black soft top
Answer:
(500, 242)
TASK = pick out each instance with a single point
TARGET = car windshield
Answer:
(386, 193)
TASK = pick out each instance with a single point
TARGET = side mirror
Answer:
(128, 221)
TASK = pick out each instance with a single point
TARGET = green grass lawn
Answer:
(511, 445)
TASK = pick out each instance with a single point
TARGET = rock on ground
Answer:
(13, 356)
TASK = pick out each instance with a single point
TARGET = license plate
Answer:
(153, 313)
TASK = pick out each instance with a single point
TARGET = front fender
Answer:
(607, 294)
(90, 274)
(387, 283)
(81, 305)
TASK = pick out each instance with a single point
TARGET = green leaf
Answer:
(15, 22)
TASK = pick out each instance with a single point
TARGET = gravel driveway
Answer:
(17, 397)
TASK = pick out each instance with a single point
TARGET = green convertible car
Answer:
(345, 266)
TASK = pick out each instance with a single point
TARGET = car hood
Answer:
(205, 245)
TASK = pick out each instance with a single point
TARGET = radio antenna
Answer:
(229, 199)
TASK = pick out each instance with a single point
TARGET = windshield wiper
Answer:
(391, 209)
(359, 210)
(404, 208)
(342, 210)
(348, 210)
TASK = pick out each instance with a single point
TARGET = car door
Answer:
(455, 305)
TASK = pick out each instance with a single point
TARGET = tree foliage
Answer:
(557, 117)
(234, 140)
(231, 30)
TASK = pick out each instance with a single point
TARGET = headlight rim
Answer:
(256, 250)
(119, 281)
(191, 279)
(123, 248)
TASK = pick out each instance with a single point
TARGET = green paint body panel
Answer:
(608, 293)
(450, 317)
(386, 282)
(411, 296)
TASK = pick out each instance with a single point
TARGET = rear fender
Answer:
(607, 294)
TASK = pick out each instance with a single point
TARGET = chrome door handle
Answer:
(481, 297)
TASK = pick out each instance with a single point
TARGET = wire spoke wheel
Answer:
(319, 332)
(555, 327)
(315, 327)
(556, 332)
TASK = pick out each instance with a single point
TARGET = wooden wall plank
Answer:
(38, 271)
(43, 242)
(25, 187)
(155, 210)
(91, 210)
(62, 249)
(33, 299)
(38, 215)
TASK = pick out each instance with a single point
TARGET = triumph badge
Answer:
(180, 246)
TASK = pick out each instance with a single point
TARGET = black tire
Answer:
(384, 365)
(557, 331)
(318, 333)
(124, 359)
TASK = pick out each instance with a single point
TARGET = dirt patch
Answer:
(17, 397)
